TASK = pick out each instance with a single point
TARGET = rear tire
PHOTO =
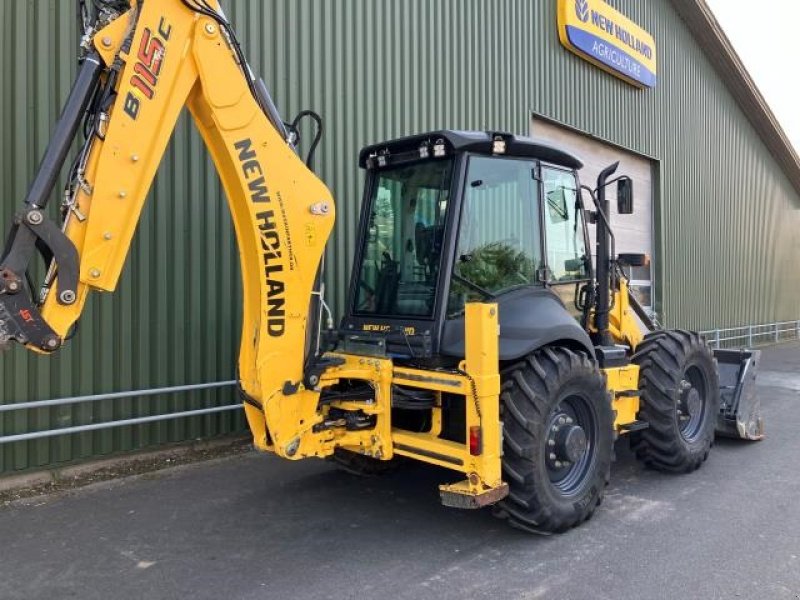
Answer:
(679, 385)
(554, 404)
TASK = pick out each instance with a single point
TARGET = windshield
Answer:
(403, 243)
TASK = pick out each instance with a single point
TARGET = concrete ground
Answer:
(254, 526)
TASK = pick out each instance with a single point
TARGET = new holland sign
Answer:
(596, 32)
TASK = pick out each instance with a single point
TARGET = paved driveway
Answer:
(257, 527)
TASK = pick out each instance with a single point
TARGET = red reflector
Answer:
(475, 446)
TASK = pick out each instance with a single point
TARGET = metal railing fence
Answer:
(747, 335)
(35, 435)
(753, 335)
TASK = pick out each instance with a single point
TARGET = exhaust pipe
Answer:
(740, 408)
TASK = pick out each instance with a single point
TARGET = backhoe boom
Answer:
(145, 67)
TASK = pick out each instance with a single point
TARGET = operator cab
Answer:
(450, 217)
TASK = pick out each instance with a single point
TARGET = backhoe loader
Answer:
(482, 334)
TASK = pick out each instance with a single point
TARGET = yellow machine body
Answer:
(283, 216)
(623, 382)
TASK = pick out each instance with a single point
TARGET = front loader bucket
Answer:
(740, 408)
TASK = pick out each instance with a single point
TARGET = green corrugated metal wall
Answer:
(727, 215)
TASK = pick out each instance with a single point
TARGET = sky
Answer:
(767, 39)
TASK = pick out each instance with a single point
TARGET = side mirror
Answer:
(625, 196)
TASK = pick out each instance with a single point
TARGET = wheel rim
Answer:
(692, 404)
(570, 444)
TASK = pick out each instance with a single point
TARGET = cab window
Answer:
(499, 246)
(403, 243)
(565, 244)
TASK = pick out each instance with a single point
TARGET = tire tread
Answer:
(662, 358)
(527, 393)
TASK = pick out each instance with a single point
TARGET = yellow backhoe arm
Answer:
(154, 60)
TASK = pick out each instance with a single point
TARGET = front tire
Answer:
(679, 385)
(558, 440)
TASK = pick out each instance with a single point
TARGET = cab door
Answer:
(566, 257)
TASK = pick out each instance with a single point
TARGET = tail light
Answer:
(475, 442)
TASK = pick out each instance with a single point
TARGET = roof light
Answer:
(424, 151)
(499, 145)
(439, 149)
(382, 160)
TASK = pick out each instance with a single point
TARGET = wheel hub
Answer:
(567, 442)
(692, 403)
(571, 443)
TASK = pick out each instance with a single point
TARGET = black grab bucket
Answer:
(740, 408)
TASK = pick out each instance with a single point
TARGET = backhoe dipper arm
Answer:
(142, 69)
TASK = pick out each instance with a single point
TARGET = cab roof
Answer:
(479, 142)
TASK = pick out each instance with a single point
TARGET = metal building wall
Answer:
(382, 69)
(376, 70)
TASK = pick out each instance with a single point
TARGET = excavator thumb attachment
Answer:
(740, 407)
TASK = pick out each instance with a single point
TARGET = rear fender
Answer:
(530, 318)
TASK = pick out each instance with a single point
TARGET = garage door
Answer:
(634, 233)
